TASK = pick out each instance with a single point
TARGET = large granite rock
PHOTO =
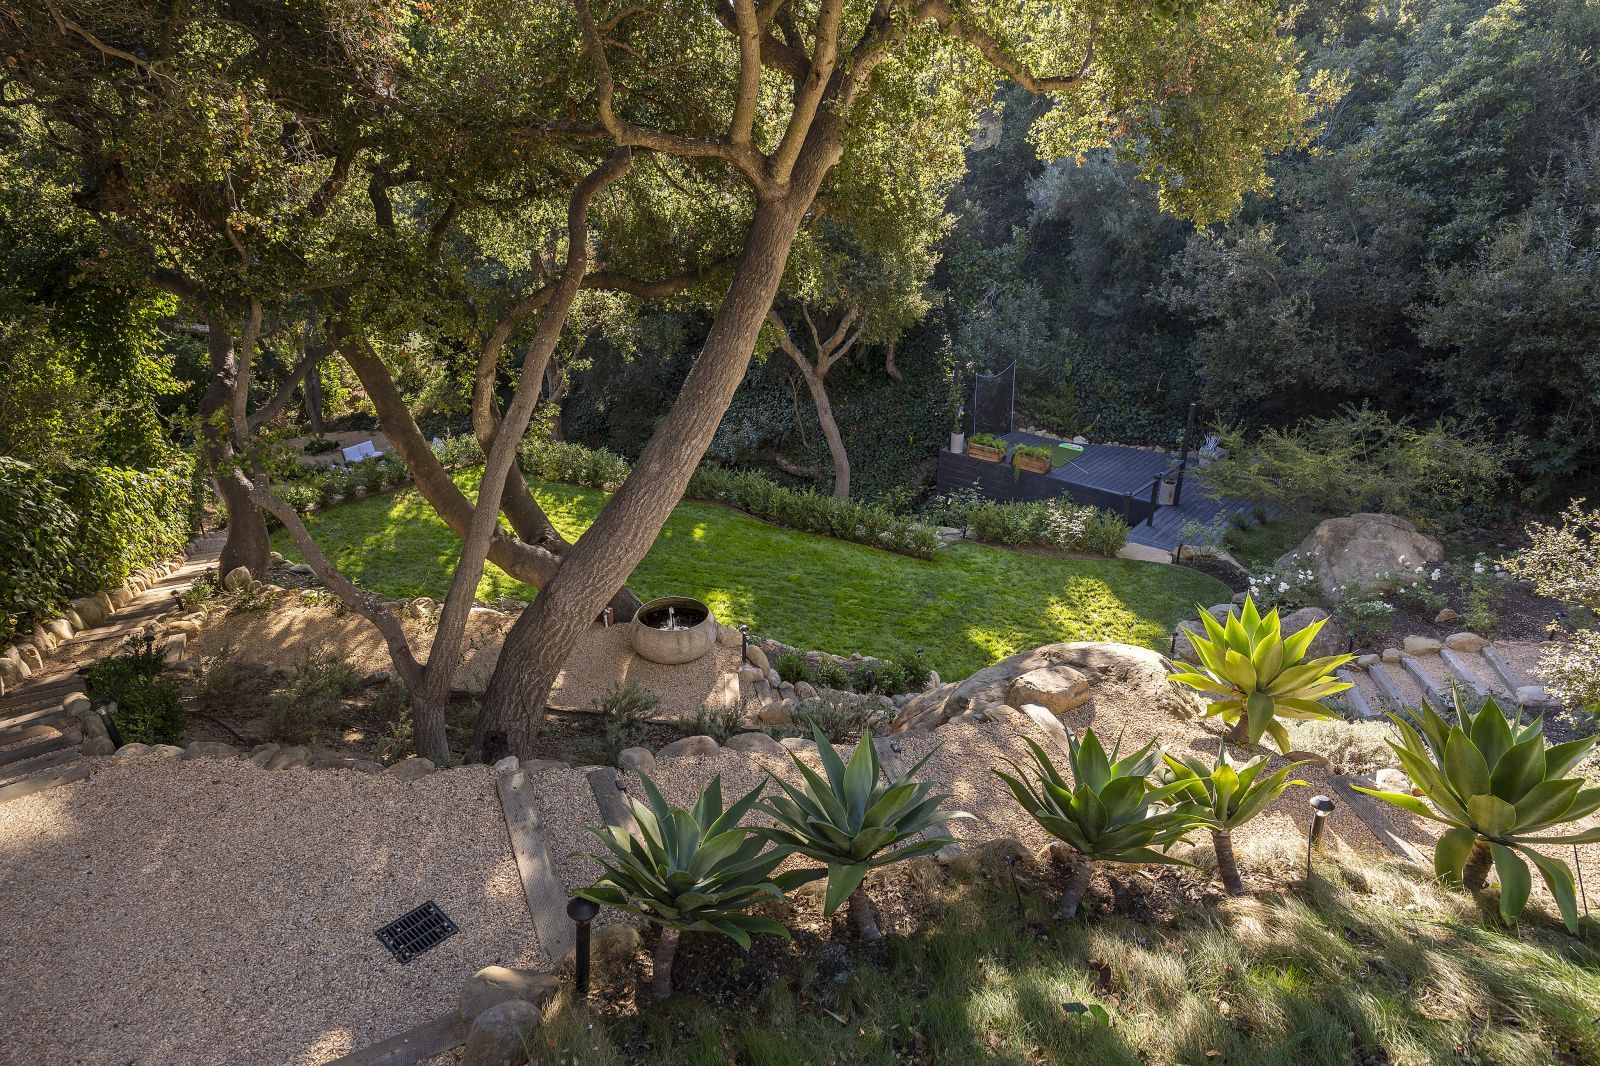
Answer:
(1056, 688)
(1362, 548)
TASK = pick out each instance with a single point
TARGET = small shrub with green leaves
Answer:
(987, 440)
(694, 870)
(1502, 792)
(625, 714)
(1223, 796)
(792, 667)
(148, 709)
(1291, 583)
(1366, 615)
(839, 716)
(1253, 675)
(832, 675)
(916, 669)
(717, 723)
(310, 703)
(1112, 814)
(854, 823)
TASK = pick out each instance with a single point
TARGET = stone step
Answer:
(1432, 691)
(20, 734)
(50, 777)
(53, 715)
(1462, 672)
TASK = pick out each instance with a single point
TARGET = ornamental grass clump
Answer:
(1500, 790)
(1224, 796)
(696, 870)
(855, 823)
(1112, 814)
(1255, 675)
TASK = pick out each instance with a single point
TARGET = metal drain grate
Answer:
(416, 931)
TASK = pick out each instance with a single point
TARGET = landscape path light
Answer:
(1321, 807)
(582, 911)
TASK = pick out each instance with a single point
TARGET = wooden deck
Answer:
(1109, 476)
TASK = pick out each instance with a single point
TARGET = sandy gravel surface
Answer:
(207, 912)
(281, 636)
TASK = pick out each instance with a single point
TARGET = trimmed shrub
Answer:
(311, 702)
(148, 711)
(36, 542)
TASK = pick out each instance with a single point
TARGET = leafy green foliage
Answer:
(1226, 795)
(696, 869)
(148, 710)
(625, 713)
(987, 440)
(1497, 787)
(1112, 813)
(839, 715)
(1056, 523)
(310, 703)
(851, 820)
(1254, 675)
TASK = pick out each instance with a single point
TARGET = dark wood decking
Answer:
(1109, 476)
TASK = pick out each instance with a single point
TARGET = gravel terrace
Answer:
(208, 912)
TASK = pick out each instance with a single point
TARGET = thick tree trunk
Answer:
(596, 567)
(247, 543)
(865, 917)
(1227, 865)
(1475, 875)
(830, 433)
(661, 966)
(312, 394)
(1077, 885)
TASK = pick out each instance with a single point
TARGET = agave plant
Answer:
(1114, 813)
(690, 870)
(1500, 790)
(855, 823)
(1255, 675)
(1225, 796)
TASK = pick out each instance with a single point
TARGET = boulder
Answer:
(803, 690)
(1415, 645)
(210, 749)
(90, 610)
(749, 675)
(1391, 780)
(1056, 688)
(507, 765)
(698, 747)
(797, 744)
(129, 751)
(261, 754)
(367, 766)
(285, 758)
(97, 746)
(757, 658)
(1528, 695)
(1466, 642)
(754, 743)
(237, 578)
(494, 985)
(1362, 548)
(13, 672)
(1391, 655)
(1099, 661)
(503, 1035)
(166, 750)
(776, 714)
(410, 769)
(1445, 615)
(636, 760)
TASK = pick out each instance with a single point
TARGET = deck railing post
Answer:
(1183, 462)
(1155, 496)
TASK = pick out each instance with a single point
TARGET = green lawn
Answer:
(968, 607)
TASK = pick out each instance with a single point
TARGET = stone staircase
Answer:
(1436, 675)
(40, 732)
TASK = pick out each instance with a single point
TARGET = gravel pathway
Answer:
(207, 912)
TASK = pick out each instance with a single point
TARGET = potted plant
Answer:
(1034, 458)
(987, 447)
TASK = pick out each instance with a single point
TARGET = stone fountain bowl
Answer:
(671, 647)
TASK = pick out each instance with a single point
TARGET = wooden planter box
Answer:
(1033, 464)
(986, 453)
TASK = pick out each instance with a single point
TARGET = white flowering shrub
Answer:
(1571, 671)
(1563, 562)
(1290, 584)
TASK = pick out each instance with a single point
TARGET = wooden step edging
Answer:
(421, 1042)
(41, 780)
(547, 900)
(1459, 669)
(1370, 813)
(1390, 688)
(1507, 677)
(1430, 688)
(1353, 696)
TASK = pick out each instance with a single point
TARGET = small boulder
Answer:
(209, 749)
(1389, 779)
(749, 675)
(804, 690)
(502, 1035)
(237, 578)
(754, 743)
(90, 610)
(698, 747)
(797, 744)
(1391, 655)
(31, 657)
(776, 714)
(421, 607)
(636, 761)
(129, 751)
(166, 750)
(1368, 659)
(285, 758)
(13, 672)
(757, 658)
(494, 985)
(262, 753)
(1331, 639)
(508, 765)
(1415, 645)
(1056, 688)
(97, 746)
(1446, 615)
(61, 629)
(410, 769)
(1465, 642)
(1528, 695)
(367, 766)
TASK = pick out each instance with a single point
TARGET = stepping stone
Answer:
(1388, 686)
(1461, 671)
(1353, 696)
(1430, 688)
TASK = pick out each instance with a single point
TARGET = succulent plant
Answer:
(1225, 796)
(1255, 675)
(693, 869)
(1112, 814)
(855, 823)
(1500, 790)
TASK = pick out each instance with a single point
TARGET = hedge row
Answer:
(71, 532)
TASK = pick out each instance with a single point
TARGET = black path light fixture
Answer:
(744, 643)
(582, 911)
(1321, 807)
(103, 709)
